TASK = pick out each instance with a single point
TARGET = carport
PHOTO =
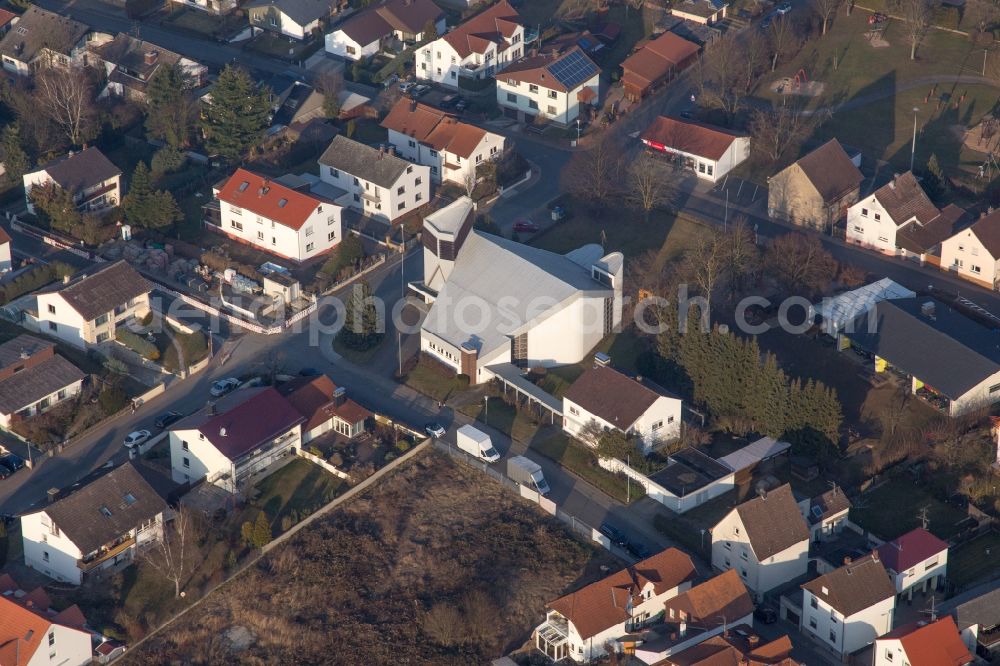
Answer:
(512, 378)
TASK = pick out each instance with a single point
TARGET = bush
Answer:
(138, 344)
(402, 446)
(33, 280)
(112, 400)
(462, 381)
(148, 319)
(166, 160)
(948, 17)
(219, 264)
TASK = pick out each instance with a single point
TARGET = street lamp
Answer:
(913, 146)
(578, 126)
(486, 410)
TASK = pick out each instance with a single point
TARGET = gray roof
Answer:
(948, 351)
(38, 29)
(22, 347)
(302, 12)
(984, 610)
(107, 508)
(100, 292)
(826, 505)
(363, 161)
(854, 587)
(32, 384)
(78, 171)
(773, 522)
(449, 219)
(490, 268)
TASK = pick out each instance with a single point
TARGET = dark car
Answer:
(309, 372)
(12, 462)
(524, 225)
(638, 550)
(765, 615)
(4, 472)
(616, 536)
(164, 420)
(448, 101)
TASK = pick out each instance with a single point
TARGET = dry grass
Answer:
(373, 581)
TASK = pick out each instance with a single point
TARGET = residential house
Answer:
(300, 107)
(951, 361)
(579, 625)
(705, 12)
(298, 19)
(33, 379)
(536, 308)
(364, 33)
(103, 525)
(918, 560)
(606, 399)
(974, 253)
(765, 539)
(129, 64)
(737, 646)
(816, 190)
(826, 514)
(96, 183)
(560, 88)
(7, 20)
(325, 407)
(6, 261)
(217, 7)
(656, 63)
(284, 221)
(934, 643)
(42, 39)
(375, 182)
(33, 633)
(710, 152)
(477, 49)
(705, 611)
(979, 621)
(899, 219)
(690, 479)
(849, 607)
(452, 149)
(239, 436)
(88, 309)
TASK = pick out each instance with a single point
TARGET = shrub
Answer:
(148, 319)
(34, 279)
(402, 446)
(166, 160)
(462, 381)
(112, 400)
(138, 344)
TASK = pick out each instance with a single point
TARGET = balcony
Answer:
(89, 565)
(368, 196)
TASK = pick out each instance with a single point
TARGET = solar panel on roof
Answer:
(573, 70)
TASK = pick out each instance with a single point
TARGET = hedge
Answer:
(33, 280)
(138, 344)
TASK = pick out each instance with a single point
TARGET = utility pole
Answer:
(913, 146)
(924, 520)
(985, 51)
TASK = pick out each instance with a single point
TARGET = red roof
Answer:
(494, 25)
(313, 398)
(4, 236)
(25, 622)
(690, 137)
(6, 17)
(265, 197)
(440, 130)
(932, 644)
(910, 550)
(657, 58)
(261, 416)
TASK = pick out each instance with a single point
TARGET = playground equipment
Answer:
(800, 79)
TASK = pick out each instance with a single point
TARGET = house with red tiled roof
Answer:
(288, 221)
(476, 49)
(33, 633)
(936, 643)
(708, 151)
(737, 646)
(235, 439)
(579, 625)
(604, 398)
(325, 407)
(429, 136)
(974, 252)
(656, 63)
(918, 560)
(552, 86)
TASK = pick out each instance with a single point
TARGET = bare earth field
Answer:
(435, 565)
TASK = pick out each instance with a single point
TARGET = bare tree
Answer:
(469, 182)
(66, 97)
(917, 15)
(774, 130)
(705, 265)
(633, 4)
(330, 85)
(174, 555)
(594, 174)
(722, 73)
(649, 183)
(756, 54)
(590, 433)
(740, 253)
(801, 264)
(443, 623)
(783, 39)
(826, 9)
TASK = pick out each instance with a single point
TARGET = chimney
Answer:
(149, 57)
(875, 555)
(222, 432)
(210, 408)
(392, 150)
(413, 105)
(683, 629)
(928, 309)
(339, 396)
(847, 560)
(381, 151)
(66, 279)
(25, 355)
(753, 641)
(53, 495)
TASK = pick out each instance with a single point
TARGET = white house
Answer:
(979, 621)
(218, 7)
(690, 479)
(899, 218)
(373, 181)
(298, 19)
(88, 309)
(42, 39)
(498, 302)
(848, 608)
(363, 34)
(291, 223)
(103, 525)
(974, 253)
(6, 262)
(709, 152)
(555, 87)
(32, 633)
(96, 183)
(325, 407)
(33, 378)
(918, 560)
(580, 624)
(765, 539)
(477, 49)
(129, 64)
(605, 397)
(826, 514)
(934, 643)
(452, 149)
(235, 438)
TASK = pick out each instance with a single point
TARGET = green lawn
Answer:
(577, 458)
(623, 348)
(300, 487)
(894, 509)
(355, 356)
(433, 380)
(366, 131)
(503, 417)
(975, 561)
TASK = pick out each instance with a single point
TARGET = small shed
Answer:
(279, 285)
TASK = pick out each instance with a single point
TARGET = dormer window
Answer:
(106, 511)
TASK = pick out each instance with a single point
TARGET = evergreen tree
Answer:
(615, 444)
(361, 319)
(145, 207)
(171, 107)
(261, 531)
(935, 181)
(15, 160)
(56, 206)
(237, 116)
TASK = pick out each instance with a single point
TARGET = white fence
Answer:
(655, 491)
(242, 323)
(322, 463)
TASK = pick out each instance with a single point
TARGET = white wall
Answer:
(657, 492)
(924, 571)
(730, 543)
(71, 647)
(204, 459)
(272, 236)
(416, 184)
(65, 323)
(5, 258)
(491, 146)
(68, 392)
(339, 44)
(694, 638)
(440, 63)
(562, 109)
(869, 225)
(852, 633)
(966, 255)
(977, 396)
(38, 539)
(665, 410)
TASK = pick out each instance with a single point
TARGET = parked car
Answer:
(136, 438)
(406, 85)
(4, 472)
(434, 429)
(224, 386)
(164, 420)
(12, 462)
(638, 550)
(419, 90)
(616, 536)
(783, 8)
(309, 372)
(524, 225)
(461, 105)
(765, 615)
(449, 101)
